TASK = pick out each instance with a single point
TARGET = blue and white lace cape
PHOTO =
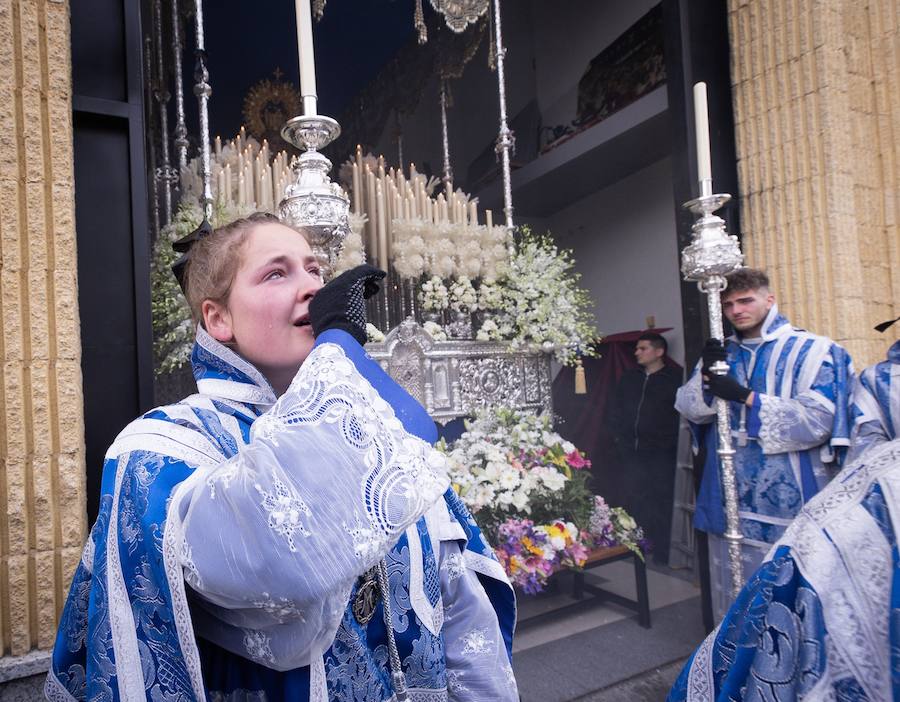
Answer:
(876, 404)
(797, 430)
(820, 618)
(233, 527)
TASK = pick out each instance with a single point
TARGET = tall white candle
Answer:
(356, 186)
(381, 227)
(701, 126)
(307, 58)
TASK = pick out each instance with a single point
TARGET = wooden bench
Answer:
(597, 558)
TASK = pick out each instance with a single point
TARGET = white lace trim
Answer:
(700, 686)
(423, 694)
(55, 691)
(165, 438)
(234, 390)
(174, 548)
(87, 554)
(485, 566)
(432, 618)
(129, 672)
(318, 685)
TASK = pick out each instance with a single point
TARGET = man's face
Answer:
(645, 353)
(747, 309)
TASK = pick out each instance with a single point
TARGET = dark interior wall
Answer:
(111, 223)
(697, 49)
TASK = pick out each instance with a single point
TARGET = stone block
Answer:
(36, 227)
(70, 557)
(45, 567)
(19, 602)
(43, 408)
(65, 311)
(11, 313)
(43, 509)
(70, 402)
(63, 235)
(71, 486)
(10, 234)
(40, 309)
(15, 415)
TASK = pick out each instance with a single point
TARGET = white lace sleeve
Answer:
(478, 667)
(690, 403)
(277, 535)
(795, 424)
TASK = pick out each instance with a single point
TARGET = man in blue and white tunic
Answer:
(789, 398)
(876, 401)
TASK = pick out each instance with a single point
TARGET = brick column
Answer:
(816, 87)
(42, 500)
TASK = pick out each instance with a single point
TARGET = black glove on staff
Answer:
(341, 303)
(724, 386)
(713, 351)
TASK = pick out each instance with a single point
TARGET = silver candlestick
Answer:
(312, 201)
(506, 141)
(711, 256)
(203, 90)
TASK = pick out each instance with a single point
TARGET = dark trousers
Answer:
(649, 493)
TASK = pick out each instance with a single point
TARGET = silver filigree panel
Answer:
(455, 378)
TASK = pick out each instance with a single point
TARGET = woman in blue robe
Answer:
(288, 532)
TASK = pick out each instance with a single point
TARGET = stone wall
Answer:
(42, 493)
(817, 120)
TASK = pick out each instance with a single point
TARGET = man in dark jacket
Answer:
(644, 425)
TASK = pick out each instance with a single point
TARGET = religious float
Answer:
(474, 310)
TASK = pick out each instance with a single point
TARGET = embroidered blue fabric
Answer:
(775, 484)
(876, 404)
(808, 624)
(84, 664)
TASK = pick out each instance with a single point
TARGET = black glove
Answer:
(341, 303)
(726, 387)
(713, 351)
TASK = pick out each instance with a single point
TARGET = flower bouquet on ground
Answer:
(528, 489)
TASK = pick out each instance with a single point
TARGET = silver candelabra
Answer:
(712, 255)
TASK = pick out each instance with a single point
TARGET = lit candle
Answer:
(473, 213)
(307, 59)
(242, 190)
(701, 125)
(218, 147)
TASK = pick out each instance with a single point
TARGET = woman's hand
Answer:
(341, 303)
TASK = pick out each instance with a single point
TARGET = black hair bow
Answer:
(183, 246)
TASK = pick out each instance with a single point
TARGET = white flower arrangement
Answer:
(543, 304)
(463, 297)
(352, 253)
(434, 295)
(373, 333)
(435, 331)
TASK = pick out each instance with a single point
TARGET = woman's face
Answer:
(266, 318)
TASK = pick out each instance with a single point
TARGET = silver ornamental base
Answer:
(456, 378)
(712, 255)
(312, 201)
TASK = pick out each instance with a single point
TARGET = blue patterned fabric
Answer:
(820, 618)
(789, 443)
(126, 577)
(876, 404)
